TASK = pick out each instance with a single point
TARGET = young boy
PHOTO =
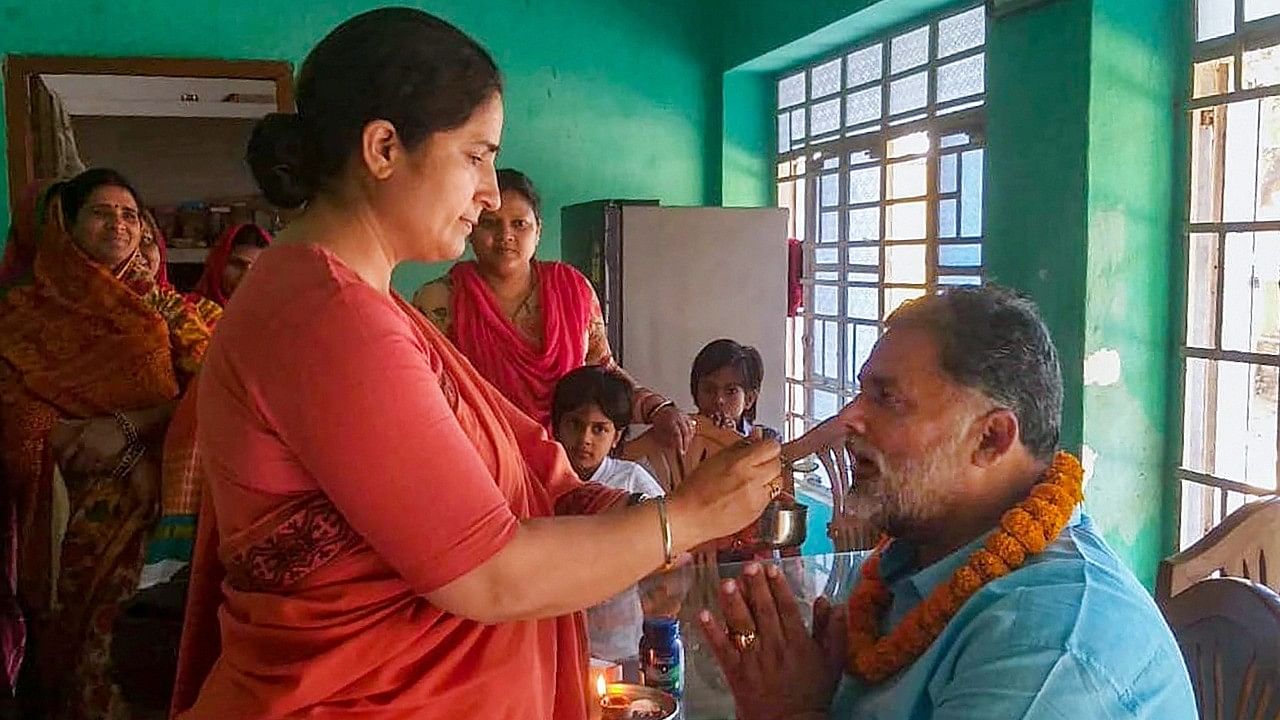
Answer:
(590, 412)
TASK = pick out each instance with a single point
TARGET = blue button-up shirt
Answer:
(1071, 634)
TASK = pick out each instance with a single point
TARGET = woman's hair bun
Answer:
(277, 158)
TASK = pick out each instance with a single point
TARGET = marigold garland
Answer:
(1026, 529)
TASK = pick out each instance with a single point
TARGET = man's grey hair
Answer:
(993, 340)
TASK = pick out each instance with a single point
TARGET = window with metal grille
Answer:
(1231, 349)
(880, 161)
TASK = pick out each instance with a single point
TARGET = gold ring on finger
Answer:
(742, 640)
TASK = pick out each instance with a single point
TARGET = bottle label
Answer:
(665, 672)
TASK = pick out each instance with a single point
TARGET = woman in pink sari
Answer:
(526, 323)
(387, 536)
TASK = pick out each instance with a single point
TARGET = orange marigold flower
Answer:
(1025, 529)
(1008, 549)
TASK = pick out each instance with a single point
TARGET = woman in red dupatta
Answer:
(93, 355)
(389, 536)
(526, 323)
(235, 251)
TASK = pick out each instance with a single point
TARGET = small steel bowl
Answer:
(784, 524)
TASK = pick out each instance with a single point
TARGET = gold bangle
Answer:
(648, 418)
(668, 552)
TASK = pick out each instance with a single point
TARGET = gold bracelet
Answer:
(668, 552)
(648, 417)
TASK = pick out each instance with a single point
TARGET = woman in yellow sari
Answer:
(94, 355)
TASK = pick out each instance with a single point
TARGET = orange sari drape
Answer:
(297, 615)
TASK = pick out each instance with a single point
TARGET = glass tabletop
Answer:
(684, 591)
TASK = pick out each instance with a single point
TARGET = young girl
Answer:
(725, 382)
(590, 412)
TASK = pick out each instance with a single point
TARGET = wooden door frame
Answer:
(19, 69)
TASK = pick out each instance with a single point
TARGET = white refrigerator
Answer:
(673, 279)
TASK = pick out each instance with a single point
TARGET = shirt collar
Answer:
(898, 563)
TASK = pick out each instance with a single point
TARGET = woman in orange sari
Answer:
(390, 537)
(526, 323)
(93, 356)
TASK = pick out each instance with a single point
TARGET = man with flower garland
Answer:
(993, 595)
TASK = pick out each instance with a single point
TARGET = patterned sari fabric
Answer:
(77, 342)
(298, 606)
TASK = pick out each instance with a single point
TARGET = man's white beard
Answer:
(909, 496)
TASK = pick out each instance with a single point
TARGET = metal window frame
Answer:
(1216, 492)
(965, 114)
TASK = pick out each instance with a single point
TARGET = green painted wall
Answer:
(1037, 130)
(1136, 71)
(604, 99)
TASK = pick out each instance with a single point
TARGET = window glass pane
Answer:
(1256, 9)
(830, 189)
(784, 133)
(1261, 67)
(830, 349)
(825, 117)
(948, 172)
(864, 184)
(1268, 182)
(863, 66)
(909, 50)
(863, 277)
(1208, 133)
(869, 256)
(796, 327)
(905, 221)
(1239, 178)
(1251, 293)
(826, 300)
(961, 32)
(904, 264)
(829, 226)
(824, 79)
(825, 404)
(862, 106)
(1214, 77)
(947, 219)
(961, 79)
(797, 125)
(909, 93)
(960, 255)
(1197, 447)
(865, 337)
(1202, 290)
(826, 256)
(959, 280)
(1215, 18)
(917, 143)
(864, 224)
(971, 194)
(1244, 412)
(826, 349)
(826, 276)
(791, 90)
(907, 179)
(954, 140)
(894, 297)
(864, 303)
